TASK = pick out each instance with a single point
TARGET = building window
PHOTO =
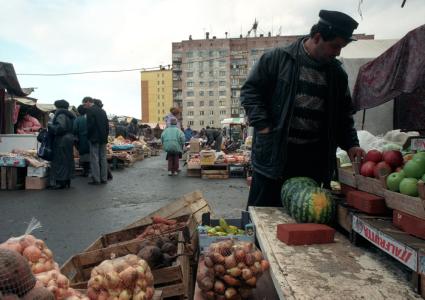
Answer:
(212, 122)
(190, 93)
(211, 53)
(201, 53)
(190, 65)
(235, 101)
(222, 52)
(162, 89)
(222, 112)
(201, 103)
(211, 83)
(222, 93)
(211, 64)
(210, 93)
(201, 83)
(222, 83)
(189, 74)
(254, 51)
(159, 82)
(190, 122)
(190, 113)
(201, 93)
(162, 82)
(189, 83)
(221, 103)
(201, 74)
(211, 73)
(189, 103)
(211, 103)
(222, 73)
(189, 54)
(162, 97)
(235, 111)
(201, 113)
(234, 93)
(201, 122)
(222, 63)
(200, 64)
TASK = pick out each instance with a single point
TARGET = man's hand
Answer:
(356, 153)
(264, 130)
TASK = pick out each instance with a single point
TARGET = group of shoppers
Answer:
(89, 133)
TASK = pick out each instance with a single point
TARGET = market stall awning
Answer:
(46, 107)
(398, 71)
(9, 81)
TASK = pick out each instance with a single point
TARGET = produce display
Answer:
(58, 285)
(161, 226)
(124, 278)
(223, 229)
(405, 178)
(377, 164)
(306, 202)
(230, 270)
(159, 253)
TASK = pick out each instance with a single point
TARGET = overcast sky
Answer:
(58, 36)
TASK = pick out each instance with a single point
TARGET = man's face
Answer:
(88, 104)
(327, 50)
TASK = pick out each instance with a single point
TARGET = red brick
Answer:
(305, 234)
(368, 203)
(409, 224)
(346, 188)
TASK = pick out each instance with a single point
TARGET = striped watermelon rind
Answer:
(293, 185)
(312, 205)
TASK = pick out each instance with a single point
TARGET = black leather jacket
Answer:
(268, 97)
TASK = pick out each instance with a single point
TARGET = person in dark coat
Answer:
(82, 143)
(62, 165)
(298, 102)
(133, 130)
(97, 134)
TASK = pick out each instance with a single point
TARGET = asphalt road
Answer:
(73, 218)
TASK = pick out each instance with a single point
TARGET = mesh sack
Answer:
(230, 269)
(127, 277)
(39, 293)
(15, 274)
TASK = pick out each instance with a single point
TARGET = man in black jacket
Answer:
(298, 102)
(97, 134)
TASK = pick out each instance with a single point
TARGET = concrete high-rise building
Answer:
(157, 94)
(208, 75)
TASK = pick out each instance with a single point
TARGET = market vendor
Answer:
(133, 131)
(298, 102)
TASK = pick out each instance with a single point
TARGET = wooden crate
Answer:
(129, 234)
(12, 178)
(347, 176)
(370, 185)
(214, 172)
(173, 280)
(193, 173)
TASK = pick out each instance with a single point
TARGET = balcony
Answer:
(177, 84)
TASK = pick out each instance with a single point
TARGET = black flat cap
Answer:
(341, 24)
(61, 104)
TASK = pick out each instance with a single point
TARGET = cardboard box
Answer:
(36, 183)
(305, 234)
(207, 157)
(38, 172)
(195, 145)
(243, 223)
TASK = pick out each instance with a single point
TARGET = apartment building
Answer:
(208, 75)
(156, 94)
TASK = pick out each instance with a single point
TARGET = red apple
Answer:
(367, 169)
(373, 155)
(393, 157)
(398, 169)
(381, 169)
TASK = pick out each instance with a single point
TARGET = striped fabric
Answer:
(309, 115)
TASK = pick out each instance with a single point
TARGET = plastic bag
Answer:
(127, 277)
(231, 269)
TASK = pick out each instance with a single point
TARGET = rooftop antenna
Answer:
(279, 31)
(253, 28)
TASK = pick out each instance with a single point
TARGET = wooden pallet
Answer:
(173, 280)
(12, 178)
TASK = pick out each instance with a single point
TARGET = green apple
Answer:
(414, 168)
(420, 159)
(393, 181)
(409, 186)
(419, 154)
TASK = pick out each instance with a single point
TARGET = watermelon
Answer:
(293, 185)
(312, 205)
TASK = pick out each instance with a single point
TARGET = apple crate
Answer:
(414, 206)
(347, 176)
(368, 184)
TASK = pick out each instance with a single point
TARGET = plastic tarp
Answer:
(9, 81)
(398, 71)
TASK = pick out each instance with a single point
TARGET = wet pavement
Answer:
(72, 219)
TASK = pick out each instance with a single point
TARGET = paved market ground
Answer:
(73, 218)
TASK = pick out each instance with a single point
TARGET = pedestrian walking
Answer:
(188, 134)
(62, 164)
(97, 134)
(173, 141)
(81, 140)
(298, 102)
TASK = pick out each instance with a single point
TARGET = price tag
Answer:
(417, 144)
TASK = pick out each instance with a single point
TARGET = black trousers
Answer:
(303, 160)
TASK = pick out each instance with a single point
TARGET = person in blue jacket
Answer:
(173, 141)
